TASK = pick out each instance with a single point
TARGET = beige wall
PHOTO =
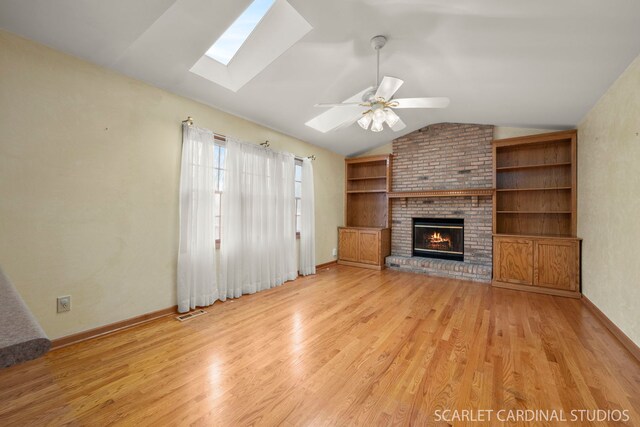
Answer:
(89, 171)
(609, 202)
(499, 132)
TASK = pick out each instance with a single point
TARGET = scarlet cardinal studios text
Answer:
(505, 415)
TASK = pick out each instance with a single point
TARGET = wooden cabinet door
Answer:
(369, 242)
(513, 260)
(348, 244)
(557, 264)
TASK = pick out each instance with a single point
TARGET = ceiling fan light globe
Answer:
(379, 115)
(365, 121)
(391, 117)
(376, 126)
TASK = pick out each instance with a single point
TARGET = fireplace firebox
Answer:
(441, 238)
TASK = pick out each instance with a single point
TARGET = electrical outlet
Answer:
(64, 303)
(334, 252)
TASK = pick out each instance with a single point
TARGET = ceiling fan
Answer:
(374, 105)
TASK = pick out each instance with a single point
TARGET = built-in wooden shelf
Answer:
(543, 165)
(535, 247)
(367, 177)
(367, 181)
(533, 212)
(365, 240)
(535, 180)
(466, 192)
(534, 189)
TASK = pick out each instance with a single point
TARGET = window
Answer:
(298, 184)
(219, 177)
(219, 171)
(226, 47)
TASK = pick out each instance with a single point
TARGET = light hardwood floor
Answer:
(345, 347)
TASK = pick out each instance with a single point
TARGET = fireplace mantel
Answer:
(462, 192)
(474, 193)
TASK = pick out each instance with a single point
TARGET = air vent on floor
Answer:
(191, 315)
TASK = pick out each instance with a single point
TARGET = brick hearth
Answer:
(440, 267)
(444, 156)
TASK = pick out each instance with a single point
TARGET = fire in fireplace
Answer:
(438, 238)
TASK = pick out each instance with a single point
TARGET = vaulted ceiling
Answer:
(506, 62)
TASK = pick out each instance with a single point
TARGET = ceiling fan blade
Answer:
(354, 100)
(421, 102)
(340, 116)
(336, 117)
(388, 86)
(398, 126)
(342, 104)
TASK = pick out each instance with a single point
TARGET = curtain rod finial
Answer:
(265, 144)
(189, 121)
(312, 157)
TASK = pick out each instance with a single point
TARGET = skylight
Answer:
(276, 27)
(226, 47)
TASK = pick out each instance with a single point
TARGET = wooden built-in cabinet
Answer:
(364, 247)
(513, 260)
(534, 214)
(348, 244)
(537, 264)
(365, 241)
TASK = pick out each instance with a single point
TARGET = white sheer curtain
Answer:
(197, 285)
(308, 221)
(258, 239)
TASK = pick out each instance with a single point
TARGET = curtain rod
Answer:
(266, 144)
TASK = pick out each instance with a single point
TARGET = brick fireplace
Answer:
(444, 156)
